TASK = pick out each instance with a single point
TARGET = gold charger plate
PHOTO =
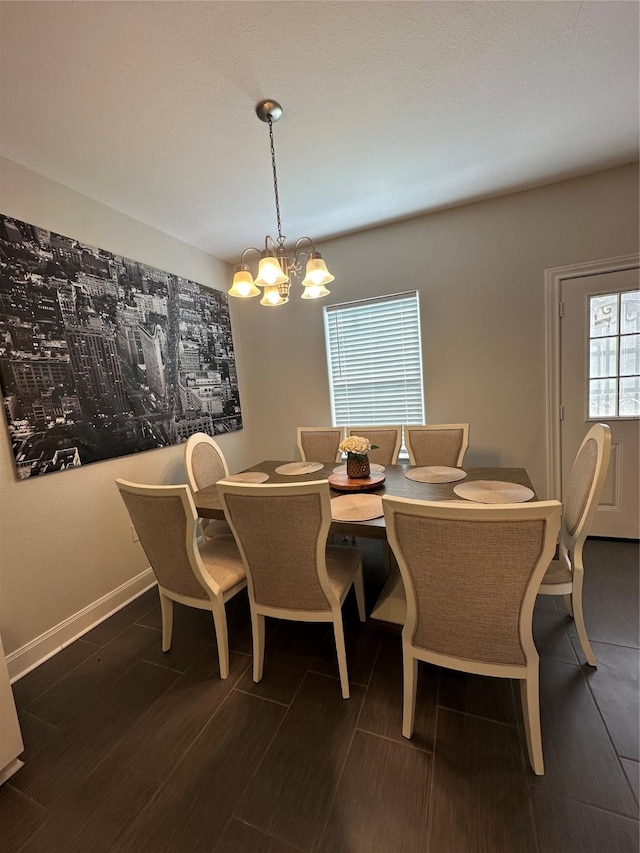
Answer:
(493, 492)
(435, 474)
(294, 468)
(356, 507)
(248, 477)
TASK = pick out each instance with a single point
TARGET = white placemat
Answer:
(435, 474)
(375, 468)
(248, 477)
(292, 468)
(493, 492)
(356, 507)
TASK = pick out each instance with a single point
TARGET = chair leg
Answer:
(166, 609)
(358, 583)
(409, 691)
(530, 698)
(257, 630)
(568, 603)
(222, 636)
(578, 618)
(338, 630)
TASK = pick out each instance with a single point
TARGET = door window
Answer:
(614, 355)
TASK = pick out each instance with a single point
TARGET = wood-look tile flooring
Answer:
(129, 750)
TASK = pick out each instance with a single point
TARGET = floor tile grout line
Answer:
(430, 795)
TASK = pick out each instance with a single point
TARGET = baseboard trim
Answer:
(37, 651)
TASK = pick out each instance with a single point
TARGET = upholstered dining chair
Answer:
(437, 444)
(319, 444)
(471, 574)
(204, 576)
(387, 438)
(565, 576)
(281, 530)
(205, 464)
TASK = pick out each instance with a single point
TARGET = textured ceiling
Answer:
(391, 109)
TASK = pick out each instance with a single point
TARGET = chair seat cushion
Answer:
(558, 572)
(222, 561)
(215, 527)
(342, 565)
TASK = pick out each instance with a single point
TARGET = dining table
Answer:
(390, 606)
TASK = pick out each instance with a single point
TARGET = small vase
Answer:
(358, 467)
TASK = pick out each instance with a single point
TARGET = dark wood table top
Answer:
(208, 502)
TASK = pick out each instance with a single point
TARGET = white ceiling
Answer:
(391, 109)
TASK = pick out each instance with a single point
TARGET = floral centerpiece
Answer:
(357, 448)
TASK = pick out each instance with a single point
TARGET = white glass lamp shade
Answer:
(315, 291)
(273, 297)
(317, 274)
(243, 285)
(270, 272)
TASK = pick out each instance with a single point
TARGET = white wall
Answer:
(479, 270)
(65, 539)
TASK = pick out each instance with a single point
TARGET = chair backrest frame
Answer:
(421, 428)
(195, 441)
(306, 455)
(600, 433)
(264, 491)
(370, 432)
(183, 492)
(547, 511)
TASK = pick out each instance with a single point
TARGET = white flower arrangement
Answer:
(356, 444)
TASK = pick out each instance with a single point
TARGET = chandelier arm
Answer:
(250, 249)
(298, 254)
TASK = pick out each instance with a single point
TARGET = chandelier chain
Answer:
(281, 239)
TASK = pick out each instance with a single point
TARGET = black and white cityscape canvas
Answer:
(102, 356)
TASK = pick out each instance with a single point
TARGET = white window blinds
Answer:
(375, 361)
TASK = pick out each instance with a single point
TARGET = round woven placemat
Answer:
(248, 477)
(293, 468)
(356, 507)
(493, 492)
(435, 474)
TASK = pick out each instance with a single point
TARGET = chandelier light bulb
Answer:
(315, 291)
(272, 296)
(243, 285)
(270, 272)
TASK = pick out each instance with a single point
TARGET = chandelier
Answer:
(276, 267)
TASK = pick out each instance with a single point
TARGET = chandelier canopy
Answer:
(276, 267)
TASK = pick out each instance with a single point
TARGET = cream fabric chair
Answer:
(319, 444)
(387, 438)
(281, 530)
(205, 464)
(565, 576)
(437, 444)
(205, 577)
(471, 574)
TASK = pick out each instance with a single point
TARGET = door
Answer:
(600, 381)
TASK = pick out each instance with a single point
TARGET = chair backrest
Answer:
(281, 530)
(165, 519)
(471, 574)
(584, 485)
(437, 444)
(319, 444)
(204, 461)
(388, 439)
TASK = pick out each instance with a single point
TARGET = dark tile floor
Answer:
(129, 749)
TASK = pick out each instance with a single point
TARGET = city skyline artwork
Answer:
(102, 356)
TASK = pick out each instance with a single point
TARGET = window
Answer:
(375, 361)
(614, 355)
